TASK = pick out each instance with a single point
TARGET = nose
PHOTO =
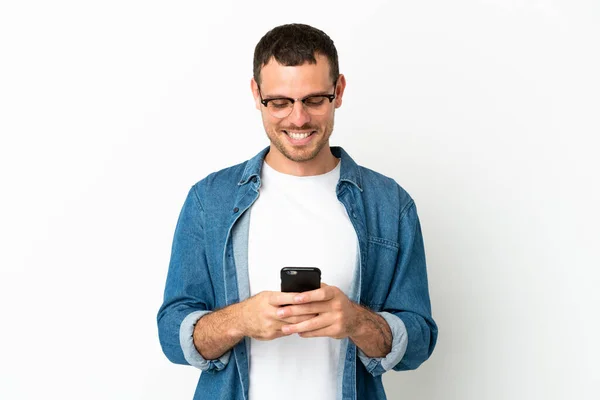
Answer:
(299, 116)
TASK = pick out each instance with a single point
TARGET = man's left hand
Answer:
(337, 316)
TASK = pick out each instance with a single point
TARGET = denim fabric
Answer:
(208, 271)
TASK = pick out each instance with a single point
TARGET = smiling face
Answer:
(300, 141)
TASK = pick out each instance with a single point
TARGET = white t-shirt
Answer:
(298, 222)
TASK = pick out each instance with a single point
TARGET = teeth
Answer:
(298, 136)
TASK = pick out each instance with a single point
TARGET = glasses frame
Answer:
(265, 102)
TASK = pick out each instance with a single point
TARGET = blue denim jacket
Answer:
(209, 270)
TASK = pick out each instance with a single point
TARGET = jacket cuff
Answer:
(377, 366)
(192, 356)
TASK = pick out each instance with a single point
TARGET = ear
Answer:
(254, 88)
(339, 90)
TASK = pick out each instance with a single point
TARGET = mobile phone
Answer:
(300, 279)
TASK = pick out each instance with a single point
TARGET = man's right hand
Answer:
(256, 317)
(259, 314)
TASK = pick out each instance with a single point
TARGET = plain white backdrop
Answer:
(486, 112)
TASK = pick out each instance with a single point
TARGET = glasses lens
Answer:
(280, 108)
(316, 105)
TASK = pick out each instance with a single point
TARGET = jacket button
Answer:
(254, 179)
(236, 210)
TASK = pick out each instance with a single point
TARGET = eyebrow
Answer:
(277, 96)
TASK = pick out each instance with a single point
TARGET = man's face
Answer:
(300, 136)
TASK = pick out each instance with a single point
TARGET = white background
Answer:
(486, 112)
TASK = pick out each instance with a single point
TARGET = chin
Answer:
(302, 154)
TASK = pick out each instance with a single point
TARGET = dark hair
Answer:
(295, 44)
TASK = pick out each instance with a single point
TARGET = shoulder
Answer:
(379, 192)
(229, 176)
(227, 180)
(219, 187)
(384, 190)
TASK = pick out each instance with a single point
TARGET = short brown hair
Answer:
(295, 44)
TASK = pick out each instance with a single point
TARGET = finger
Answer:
(318, 322)
(323, 294)
(281, 298)
(275, 335)
(323, 332)
(298, 319)
(302, 309)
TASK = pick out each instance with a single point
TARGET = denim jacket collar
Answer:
(350, 172)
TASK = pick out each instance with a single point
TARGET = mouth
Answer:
(299, 137)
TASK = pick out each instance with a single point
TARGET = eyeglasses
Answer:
(314, 104)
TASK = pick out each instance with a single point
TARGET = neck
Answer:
(324, 162)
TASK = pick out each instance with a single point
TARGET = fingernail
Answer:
(299, 299)
(285, 329)
(280, 312)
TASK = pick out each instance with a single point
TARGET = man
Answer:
(299, 202)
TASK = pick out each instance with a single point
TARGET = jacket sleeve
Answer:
(189, 293)
(407, 308)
